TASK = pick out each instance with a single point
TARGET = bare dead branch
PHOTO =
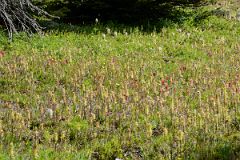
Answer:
(17, 16)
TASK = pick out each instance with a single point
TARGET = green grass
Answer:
(165, 94)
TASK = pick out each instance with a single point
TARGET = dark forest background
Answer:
(24, 15)
(123, 11)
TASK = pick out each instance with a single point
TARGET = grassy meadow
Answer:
(109, 91)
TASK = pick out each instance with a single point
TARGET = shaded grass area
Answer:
(120, 11)
(98, 93)
(191, 17)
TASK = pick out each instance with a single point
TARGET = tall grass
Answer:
(122, 93)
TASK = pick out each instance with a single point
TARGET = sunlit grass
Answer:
(131, 95)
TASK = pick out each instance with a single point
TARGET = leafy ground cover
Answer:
(104, 93)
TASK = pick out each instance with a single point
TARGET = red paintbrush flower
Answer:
(2, 53)
(163, 81)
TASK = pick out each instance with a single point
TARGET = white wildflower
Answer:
(108, 30)
(160, 49)
(115, 34)
(238, 15)
(49, 112)
(96, 21)
(104, 36)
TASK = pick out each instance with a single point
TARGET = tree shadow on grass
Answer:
(145, 15)
(146, 26)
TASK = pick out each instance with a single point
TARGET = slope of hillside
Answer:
(117, 92)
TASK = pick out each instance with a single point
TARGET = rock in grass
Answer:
(221, 13)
